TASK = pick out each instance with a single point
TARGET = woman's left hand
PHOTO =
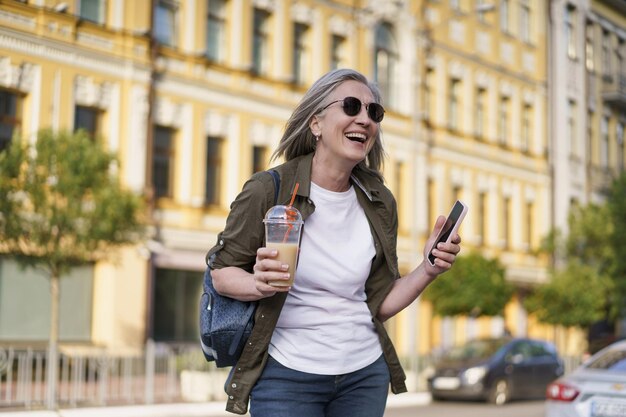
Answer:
(445, 253)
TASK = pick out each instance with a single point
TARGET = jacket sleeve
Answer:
(244, 232)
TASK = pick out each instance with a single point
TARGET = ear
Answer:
(315, 126)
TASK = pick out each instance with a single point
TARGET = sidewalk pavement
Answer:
(208, 409)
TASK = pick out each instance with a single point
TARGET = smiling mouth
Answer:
(356, 137)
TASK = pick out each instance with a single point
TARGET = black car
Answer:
(496, 370)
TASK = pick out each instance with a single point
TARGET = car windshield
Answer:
(612, 360)
(476, 349)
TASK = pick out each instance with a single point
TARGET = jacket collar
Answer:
(358, 178)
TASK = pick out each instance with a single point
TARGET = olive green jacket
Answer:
(244, 234)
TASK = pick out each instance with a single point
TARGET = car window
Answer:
(475, 349)
(612, 360)
(521, 349)
(539, 350)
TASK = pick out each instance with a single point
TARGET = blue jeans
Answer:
(283, 392)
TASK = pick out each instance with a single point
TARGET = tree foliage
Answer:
(590, 279)
(575, 296)
(616, 203)
(61, 205)
(474, 286)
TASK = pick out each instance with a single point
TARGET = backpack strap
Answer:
(276, 178)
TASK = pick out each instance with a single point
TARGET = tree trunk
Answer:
(52, 365)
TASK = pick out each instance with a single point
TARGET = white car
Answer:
(597, 388)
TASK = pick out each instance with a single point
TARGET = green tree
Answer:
(62, 206)
(616, 203)
(577, 293)
(474, 286)
(575, 296)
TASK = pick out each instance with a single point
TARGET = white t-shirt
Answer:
(325, 326)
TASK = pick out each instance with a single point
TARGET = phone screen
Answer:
(452, 221)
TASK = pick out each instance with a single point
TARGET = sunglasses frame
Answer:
(369, 108)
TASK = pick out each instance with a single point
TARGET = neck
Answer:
(330, 176)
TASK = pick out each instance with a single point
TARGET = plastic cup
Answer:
(283, 227)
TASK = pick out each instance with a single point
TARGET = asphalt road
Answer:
(470, 409)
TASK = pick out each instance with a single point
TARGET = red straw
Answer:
(293, 197)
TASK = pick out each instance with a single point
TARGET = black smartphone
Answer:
(450, 228)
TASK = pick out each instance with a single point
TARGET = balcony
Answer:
(614, 90)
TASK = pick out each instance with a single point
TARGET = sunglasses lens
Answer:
(351, 106)
(376, 112)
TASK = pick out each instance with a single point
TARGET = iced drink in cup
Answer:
(283, 225)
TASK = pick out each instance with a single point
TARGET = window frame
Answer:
(215, 39)
(163, 160)
(6, 119)
(172, 8)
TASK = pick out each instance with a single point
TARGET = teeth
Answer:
(356, 136)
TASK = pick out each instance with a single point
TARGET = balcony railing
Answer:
(614, 90)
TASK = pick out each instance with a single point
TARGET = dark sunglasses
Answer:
(352, 106)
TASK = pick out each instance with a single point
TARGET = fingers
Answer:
(446, 253)
(268, 270)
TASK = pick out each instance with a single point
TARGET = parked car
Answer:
(496, 370)
(597, 388)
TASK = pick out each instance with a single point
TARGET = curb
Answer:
(207, 409)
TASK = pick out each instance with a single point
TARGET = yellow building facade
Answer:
(193, 96)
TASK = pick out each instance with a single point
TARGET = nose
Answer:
(362, 117)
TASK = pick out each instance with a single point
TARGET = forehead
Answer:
(353, 88)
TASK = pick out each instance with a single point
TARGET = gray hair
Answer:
(299, 140)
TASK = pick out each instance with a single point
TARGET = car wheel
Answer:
(499, 392)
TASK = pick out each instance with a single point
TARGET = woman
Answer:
(319, 348)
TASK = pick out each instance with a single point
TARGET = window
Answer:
(482, 7)
(163, 161)
(503, 120)
(176, 295)
(619, 133)
(589, 144)
(456, 194)
(337, 52)
(589, 55)
(525, 20)
(482, 217)
(398, 181)
(386, 57)
(9, 117)
(604, 142)
(529, 225)
(430, 206)
(453, 104)
(506, 222)
(260, 41)
(215, 29)
(87, 119)
(619, 60)
(166, 22)
(606, 53)
(91, 10)
(25, 295)
(527, 111)
(571, 127)
(479, 122)
(258, 158)
(428, 93)
(504, 16)
(213, 170)
(570, 30)
(300, 57)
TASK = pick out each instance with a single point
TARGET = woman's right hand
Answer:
(267, 268)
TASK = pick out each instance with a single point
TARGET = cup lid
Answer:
(281, 213)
